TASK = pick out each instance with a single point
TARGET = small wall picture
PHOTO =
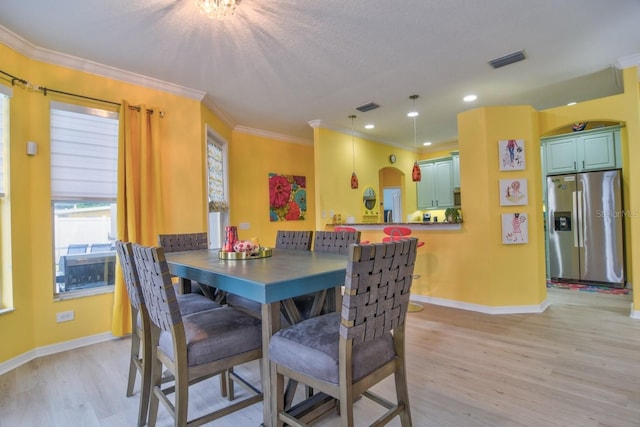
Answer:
(511, 154)
(513, 192)
(514, 228)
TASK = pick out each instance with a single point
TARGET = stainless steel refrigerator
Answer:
(585, 226)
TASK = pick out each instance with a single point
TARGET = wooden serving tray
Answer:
(263, 253)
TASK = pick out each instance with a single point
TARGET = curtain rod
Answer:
(44, 91)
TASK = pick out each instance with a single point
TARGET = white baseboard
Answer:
(52, 349)
(514, 309)
(635, 314)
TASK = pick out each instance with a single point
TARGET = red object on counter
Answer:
(230, 238)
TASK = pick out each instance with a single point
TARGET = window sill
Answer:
(83, 293)
(6, 310)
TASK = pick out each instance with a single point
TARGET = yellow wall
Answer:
(32, 324)
(470, 265)
(253, 158)
(334, 164)
(625, 109)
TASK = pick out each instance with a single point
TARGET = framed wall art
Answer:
(513, 192)
(514, 228)
(287, 197)
(512, 154)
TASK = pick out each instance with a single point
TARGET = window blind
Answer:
(84, 153)
(215, 164)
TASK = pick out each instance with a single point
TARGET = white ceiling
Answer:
(279, 64)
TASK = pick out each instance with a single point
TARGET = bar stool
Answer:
(396, 232)
(348, 230)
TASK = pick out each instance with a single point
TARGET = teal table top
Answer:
(286, 274)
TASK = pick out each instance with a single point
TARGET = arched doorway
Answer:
(392, 190)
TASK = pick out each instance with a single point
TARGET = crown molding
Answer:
(37, 53)
(629, 61)
(207, 101)
(272, 135)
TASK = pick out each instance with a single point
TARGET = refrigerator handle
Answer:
(574, 213)
(580, 221)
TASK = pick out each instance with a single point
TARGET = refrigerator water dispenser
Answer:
(562, 221)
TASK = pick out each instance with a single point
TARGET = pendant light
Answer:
(416, 174)
(354, 177)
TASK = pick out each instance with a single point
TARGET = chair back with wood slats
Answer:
(335, 241)
(131, 280)
(298, 240)
(183, 242)
(190, 242)
(377, 289)
(157, 287)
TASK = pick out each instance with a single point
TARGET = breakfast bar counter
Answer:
(416, 226)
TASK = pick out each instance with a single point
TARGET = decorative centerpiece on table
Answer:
(235, 249)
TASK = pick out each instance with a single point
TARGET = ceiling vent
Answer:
(367, 107)
(507, 59)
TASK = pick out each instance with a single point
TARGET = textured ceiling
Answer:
(278, 64)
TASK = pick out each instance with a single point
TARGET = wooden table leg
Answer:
(184, 286)
(270, 325)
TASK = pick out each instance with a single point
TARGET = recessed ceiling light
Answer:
(427, 143)
(469, 98)
(572, 103)
(412, 114)
(369, 126)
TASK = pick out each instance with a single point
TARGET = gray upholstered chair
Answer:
(193, 347)
(298, 240)
(345, 354)
(189, 242)
(325, 241)
(141, 332)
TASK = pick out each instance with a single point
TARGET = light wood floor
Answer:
(577, 364)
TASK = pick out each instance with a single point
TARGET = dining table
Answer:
(269, 281)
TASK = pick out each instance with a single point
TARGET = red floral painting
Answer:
(287, 197)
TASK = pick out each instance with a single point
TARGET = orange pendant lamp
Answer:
(354, 177)
(416, 174)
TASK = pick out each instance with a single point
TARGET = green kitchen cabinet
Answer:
(435, 190)
(455, 158)
(596, 149)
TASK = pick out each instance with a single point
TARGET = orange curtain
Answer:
(139, 194)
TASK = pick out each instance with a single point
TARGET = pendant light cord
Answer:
(353, 148)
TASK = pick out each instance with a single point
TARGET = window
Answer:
(217, 179)
(4, 130)
(84, 175)
(5, 294)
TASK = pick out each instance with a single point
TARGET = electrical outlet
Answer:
(243, 226)
(64, 316)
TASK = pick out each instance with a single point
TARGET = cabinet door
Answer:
(444, 183)
(455, 157)
(596, 152)
(426, 197)
(561, 156)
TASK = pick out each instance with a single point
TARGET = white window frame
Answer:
(89, 181)
(217, 220)
(6, 292)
